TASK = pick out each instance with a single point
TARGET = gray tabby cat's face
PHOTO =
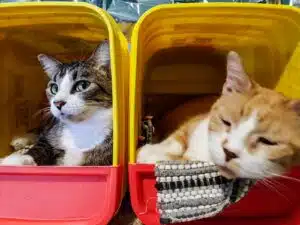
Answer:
(77, 90)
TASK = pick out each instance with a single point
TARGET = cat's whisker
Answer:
(254, 174)
(273, 181)
(92, 103)
(284, 177)
(42, 111)
(268, 184)
(265, 184)
(46, 114)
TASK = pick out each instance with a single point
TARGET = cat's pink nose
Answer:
(229, 155)
(59, 104)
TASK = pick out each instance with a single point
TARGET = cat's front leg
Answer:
(169, 149)
(101, 155)
(24, 142)
(42, 153)
(21, 145)
(17, 159)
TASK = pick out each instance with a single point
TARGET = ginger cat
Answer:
(250, 131)
(173, 119)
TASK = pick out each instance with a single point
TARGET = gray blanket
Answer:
(194, 190)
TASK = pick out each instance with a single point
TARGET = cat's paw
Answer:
(152, 153)
(23, 142)
(17, 160)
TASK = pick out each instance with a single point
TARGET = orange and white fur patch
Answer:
(249, 132)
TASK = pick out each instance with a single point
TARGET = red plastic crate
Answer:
(59, 195)
(245, 28)
(262, 205)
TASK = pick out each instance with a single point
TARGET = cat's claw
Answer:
(18, 160)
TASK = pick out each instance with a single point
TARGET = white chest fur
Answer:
(198, 143)
(87, 134)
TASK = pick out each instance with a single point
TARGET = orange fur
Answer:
(250, 131)
(184, 112)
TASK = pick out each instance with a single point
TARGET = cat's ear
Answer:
(236, 79)
(101, 55)
(50, 65)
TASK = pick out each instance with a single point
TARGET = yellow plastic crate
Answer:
(68, 31)
(264, 35)
(290, 79)
(180, 50)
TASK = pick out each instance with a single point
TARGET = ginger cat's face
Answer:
(254, 132)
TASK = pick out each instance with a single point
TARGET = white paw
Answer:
(173, 147)
(18, 160)
(152, 153)
(72, 158)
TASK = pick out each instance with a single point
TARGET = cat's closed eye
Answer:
(266, 141)
(53, 88)
(81, 85)
(226, 123)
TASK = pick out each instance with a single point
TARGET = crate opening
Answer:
(187, 75)
(194, 75)
(23, 80)
(178, 75)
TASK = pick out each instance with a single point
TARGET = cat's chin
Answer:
(67, 118)
(73, 118)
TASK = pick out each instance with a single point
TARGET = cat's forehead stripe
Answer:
(54, 78)
(63, 72)
(237, 137)
(65, 86)
(248, 124)
(71, 69)
(74, 75)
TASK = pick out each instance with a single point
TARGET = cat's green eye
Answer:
(266, 141)
(81, 85)
(53, 89)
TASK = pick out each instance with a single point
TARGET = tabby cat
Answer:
(249, 132)
(80, 97)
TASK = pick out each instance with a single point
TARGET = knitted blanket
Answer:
(194, 190)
